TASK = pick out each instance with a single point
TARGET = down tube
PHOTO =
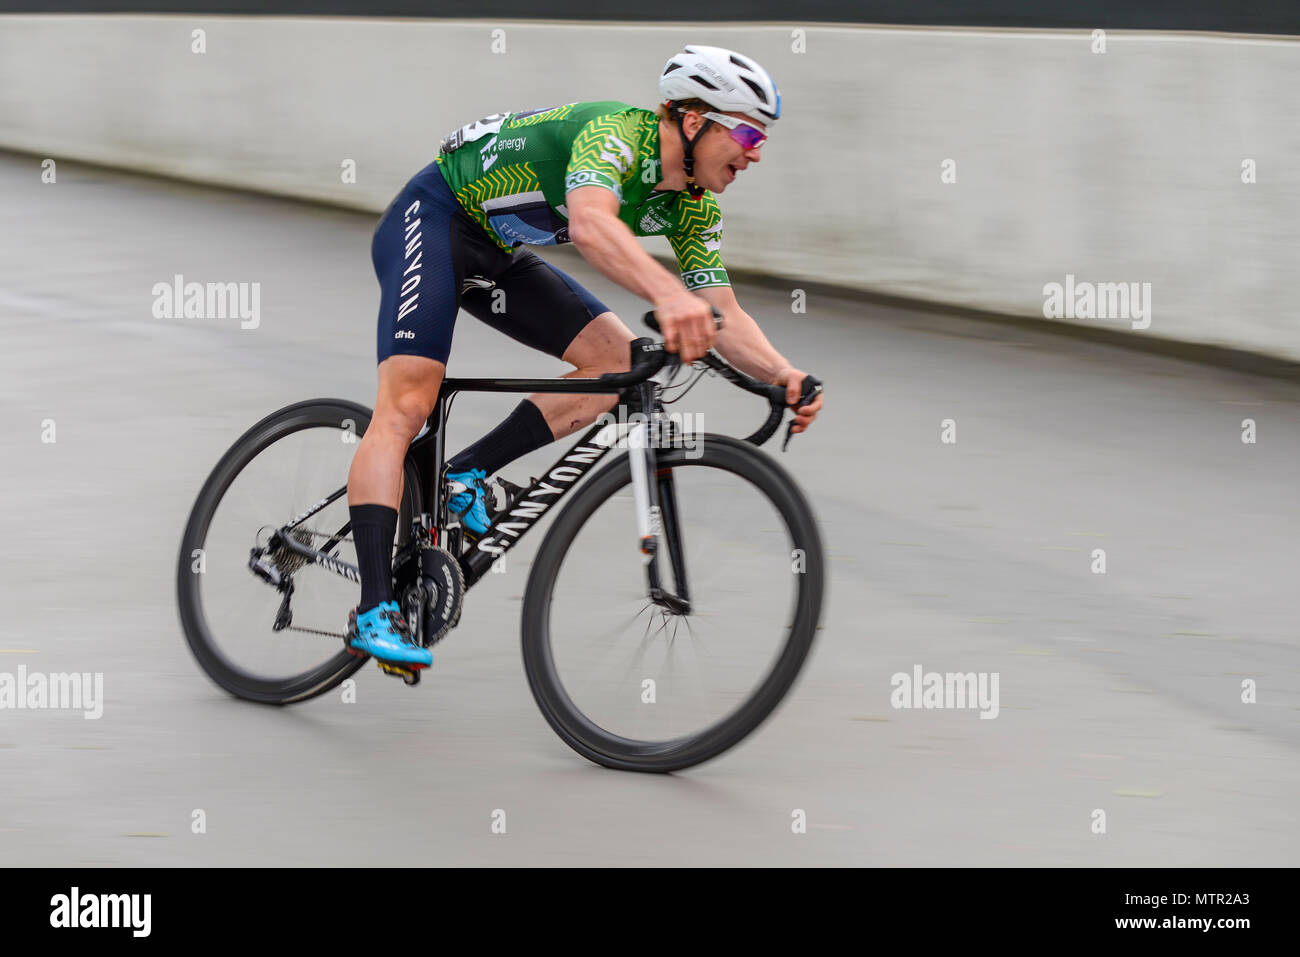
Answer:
(511, 526)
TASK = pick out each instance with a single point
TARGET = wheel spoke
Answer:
(228, 612)
(741, 590)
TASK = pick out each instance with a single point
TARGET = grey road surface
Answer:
(1126, 692)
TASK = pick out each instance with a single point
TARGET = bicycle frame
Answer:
(428, 452)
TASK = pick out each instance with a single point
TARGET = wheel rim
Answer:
(634, 720)
(272, 475)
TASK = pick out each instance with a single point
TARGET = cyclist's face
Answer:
(719, 159)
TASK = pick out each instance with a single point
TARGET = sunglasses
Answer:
(746, 134)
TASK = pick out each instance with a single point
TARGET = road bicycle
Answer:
(700, 537)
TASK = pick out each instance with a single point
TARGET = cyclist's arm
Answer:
(743, 344)
(607, 243)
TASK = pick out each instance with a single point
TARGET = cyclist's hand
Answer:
(687, 324)
(792, 379)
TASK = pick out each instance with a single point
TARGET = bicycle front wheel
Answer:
(631, 685)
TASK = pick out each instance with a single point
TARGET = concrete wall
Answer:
(1123, 166)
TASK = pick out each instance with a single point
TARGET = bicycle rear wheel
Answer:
(279, 469)
(631, 686)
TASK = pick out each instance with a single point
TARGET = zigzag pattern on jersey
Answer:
(590, 142)
(695, 216)
(647, 132)
(691, 254)
(559, 113)
(505, 180)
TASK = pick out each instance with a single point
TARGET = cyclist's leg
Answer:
(419, 271)
(603, 346)
(408, 388)
(547, 310)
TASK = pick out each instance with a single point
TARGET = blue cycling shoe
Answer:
(383, 633)
(469, 499)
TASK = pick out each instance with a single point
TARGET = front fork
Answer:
(656, 510)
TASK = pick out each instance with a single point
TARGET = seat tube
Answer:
(437, 506)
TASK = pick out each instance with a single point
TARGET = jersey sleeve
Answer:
(604, 154)
(697, 242)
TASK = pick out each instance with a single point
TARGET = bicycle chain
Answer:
(317, 631)
(299, 533)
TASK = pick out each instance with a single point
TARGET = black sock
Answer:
(524, 430)
(373, 529)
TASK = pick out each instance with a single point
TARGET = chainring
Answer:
(443, 583)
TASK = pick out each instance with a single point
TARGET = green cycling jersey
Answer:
(512, 171)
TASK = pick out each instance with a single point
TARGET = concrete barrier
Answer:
(967, 167)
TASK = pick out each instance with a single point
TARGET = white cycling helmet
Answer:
(728, 81)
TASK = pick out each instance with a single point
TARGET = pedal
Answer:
(468, 535)
(455, 540)
(410, 675)
(513, 492)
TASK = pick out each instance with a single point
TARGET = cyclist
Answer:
(595, 174)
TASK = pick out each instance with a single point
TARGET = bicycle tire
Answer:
(228, 675)
(611, 750)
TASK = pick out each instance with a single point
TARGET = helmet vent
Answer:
(758, 90)
(727, 80)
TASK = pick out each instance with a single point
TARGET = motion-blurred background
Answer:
(1073, 235)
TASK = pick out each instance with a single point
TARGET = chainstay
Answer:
(317, 631)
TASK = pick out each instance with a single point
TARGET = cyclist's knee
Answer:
(405, 415)
(408, 390)
(618, 359)
(603, 346)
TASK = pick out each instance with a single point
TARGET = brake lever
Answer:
(812, 387)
